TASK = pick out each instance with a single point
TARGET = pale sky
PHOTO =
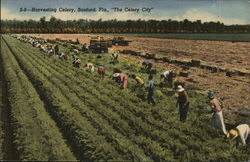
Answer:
(226, 11)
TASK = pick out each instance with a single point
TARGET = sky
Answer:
(226, 11)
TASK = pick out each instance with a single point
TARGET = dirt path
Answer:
(7, 145)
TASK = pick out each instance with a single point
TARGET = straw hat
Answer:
(233, 133)
(115, 74)
(180, 88)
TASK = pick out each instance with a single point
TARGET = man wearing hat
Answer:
(182, 102)
(150, 89)
(216, 107)
(241, 130)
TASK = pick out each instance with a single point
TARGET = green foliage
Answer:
(103, 122)
(55, 25)
(36, 135)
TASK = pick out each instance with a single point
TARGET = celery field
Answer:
(59, 112)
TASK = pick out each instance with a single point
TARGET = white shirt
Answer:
(151, 84)
(243, 132)
(166, 73)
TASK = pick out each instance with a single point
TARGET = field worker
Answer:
(61, 55)
(38, 45)
(65, 56)
(50, 52)
(43, 47)
(84, 47)
(115, 77)
(170, 77)
(165, 75)
(138, 80)
(75, 51)
(90, 67)
(115, 56)
(241, 131)
(124, 79)
(150, 89)
(77, 62)
(216, 108)
(101, 71)
(147, 65)
(56, 49)
(182, 103)
(75, 56)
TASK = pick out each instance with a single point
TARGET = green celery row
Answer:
(126, 147)
(178, 149)
(183, 139)
(36, 135)
(114, 107)
(203, 133)
(86, 140)
(197, 128)
(102, 108)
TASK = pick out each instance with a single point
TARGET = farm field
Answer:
(194, 36)
(59, 112)
(221, 54)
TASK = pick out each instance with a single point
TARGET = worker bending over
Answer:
(241, 131)
(147, 65)
(63, 56)
(90, 67)
(124, 80)
(76, 61)
(84, 48)
(138, 80)
(168, 76)
(101, 71)
(115, 56)
(121, 78)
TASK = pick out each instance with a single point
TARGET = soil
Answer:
(229, 55)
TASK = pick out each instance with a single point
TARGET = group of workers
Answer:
(241, 131)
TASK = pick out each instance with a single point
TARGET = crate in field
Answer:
(165, 59)
(184, 74)
(229, 73)
(150, 55)
(215, 69)
(196, 63)
(185, 67)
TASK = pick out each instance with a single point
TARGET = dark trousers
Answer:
(150, 96)
(183, 109)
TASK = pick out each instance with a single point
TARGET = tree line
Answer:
(54, 25)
